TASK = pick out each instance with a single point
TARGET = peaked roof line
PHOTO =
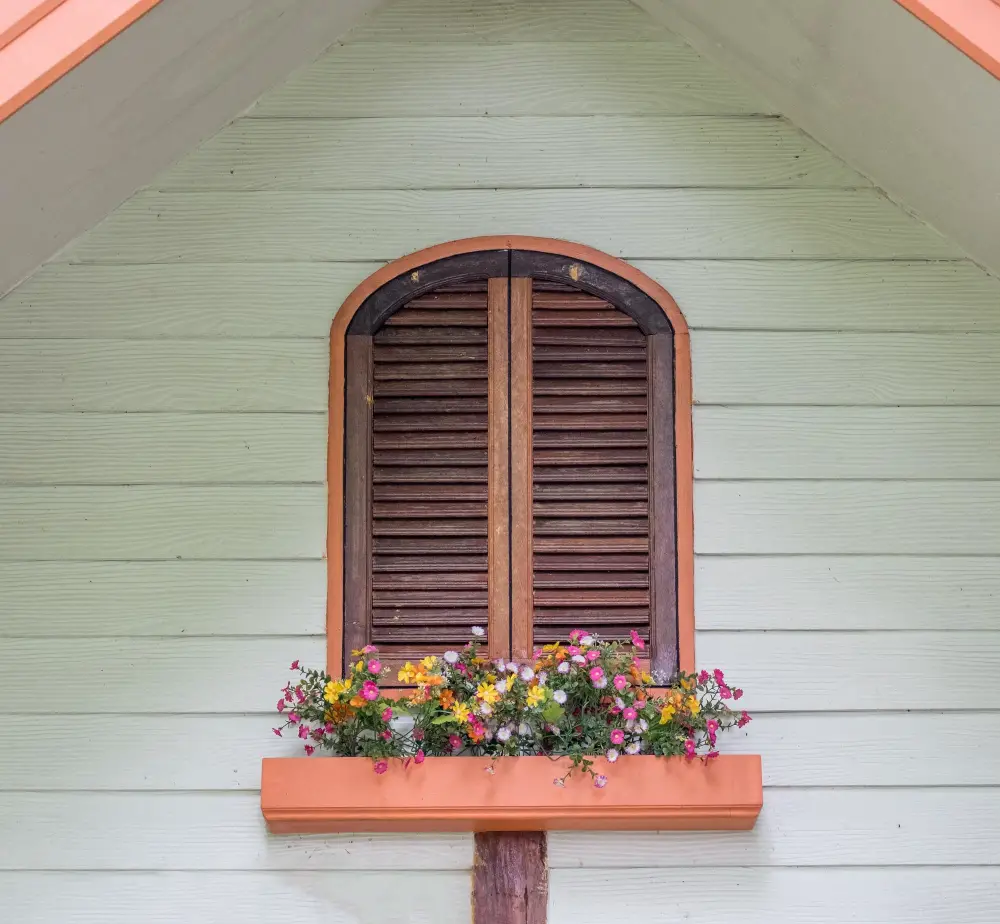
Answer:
(41, 40)
(972, 26)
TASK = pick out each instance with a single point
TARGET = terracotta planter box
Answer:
(302, 795)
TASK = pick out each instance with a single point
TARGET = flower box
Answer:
(343, 795)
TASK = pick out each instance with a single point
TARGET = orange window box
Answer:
(333, 795)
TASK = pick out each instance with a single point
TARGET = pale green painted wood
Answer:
(162, 448)
(835, 593)
(848, 517)
(244, 300)
(221, 675)
(157, 227)
(846, 369)
(223, 752)
(432, 22)
(540, 78)
(109, 375)
(150, 522)
(329, 897)
(528, 152)
(161, 598)
(847, 442)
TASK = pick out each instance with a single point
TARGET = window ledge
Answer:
(336, 795)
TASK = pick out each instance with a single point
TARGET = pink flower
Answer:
(310, 750)
(743, 720)
(455, 742)
(630, 714)
(737, 693)
(597, 674)
(293, 717)
(386, 735)
(572, 650)
(299, 695)
(617, 736)
(418, 734)
(281, 705)
(369, 690)
(380, 766)
(640, 704)
(725, 692)
(418, 758)
(703, 677)
(461, 668)
(369, 649)
(576, 634)
(600, 781)
(593, 654)
(288, 695)
(277, 731)
(615, 710)
(328, 728)
(689, 748)
(303, 731)
(712, 754)
(637, 640)
(374, 665)
(387, 714)
(620, 681)
(719, 676)
(294, 666)
(712, 728)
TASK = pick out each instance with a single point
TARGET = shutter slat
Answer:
(588, 387)
(405, 457)
(430, 492)
(590, 457)
(584, 437)
(440, 527)
(595, 562)
(415, 317)
(463, 616)
(591, 527)
(434, 474)
(550, 318)
(586, 404)
(430, 388)
(433, 406)
(573, 489)
(590, 422)
(429, 371)
(444, 509)
(426, 545)
(591, 508)
(581, 474)
(410, 441)
(425, 353)
(440, 581)
(596, 352)
(411, 422)
(596, 545)
(385, 564)
(587, 337)
(436, 336)
(415, 599)
(569, 580)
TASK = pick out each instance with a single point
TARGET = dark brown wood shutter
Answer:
(423, 571)
(590, 424)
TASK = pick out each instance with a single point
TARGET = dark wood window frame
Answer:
(510, 596)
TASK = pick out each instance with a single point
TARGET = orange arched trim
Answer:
(682, 420)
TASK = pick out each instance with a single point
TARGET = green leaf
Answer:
(444, 719)
(553, 712)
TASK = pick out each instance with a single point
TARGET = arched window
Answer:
(511, 428)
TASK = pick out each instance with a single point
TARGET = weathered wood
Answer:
(522, 449)
(510, 878)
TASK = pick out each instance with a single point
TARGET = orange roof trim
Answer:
(972, 26)
(41, 40)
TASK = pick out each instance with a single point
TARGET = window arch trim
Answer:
(360, 313)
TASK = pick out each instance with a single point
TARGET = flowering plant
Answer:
(579, 699)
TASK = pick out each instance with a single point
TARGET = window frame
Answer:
(634, 293)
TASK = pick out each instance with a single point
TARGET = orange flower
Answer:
(357, 701)
(447, 699)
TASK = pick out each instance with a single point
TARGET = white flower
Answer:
(478, 631)
(600, 781)
(527, 673)
(451, 657)
(501, 686)
(503, 734)
(524, 729)
(498, 664)
(559, 696)
(579, 659)
(485, 709)
(542, 677)
(513, 667)
(634, 747)
(600, 684)
(587, 640)
(563, 667)
(619, 702)
(612, 755)
(643, 725)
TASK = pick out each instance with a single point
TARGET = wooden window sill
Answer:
(323, 795)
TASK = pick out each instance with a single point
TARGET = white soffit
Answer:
(876, 86)
(172, 79)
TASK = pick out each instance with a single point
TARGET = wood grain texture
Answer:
(510, 878)
(579, 78)
(155, 227)
(162, 448)
(862, 295)
(522, 449)
(223, 752)
(115, 375)
(208, 675)
(748, 896)
(848, 368)
(174, 598)
(147, 522)
(851, 592)
(856, 518)
(432, 22)
(239, 897)
(499, 484)
(514, 152)
(952, 443)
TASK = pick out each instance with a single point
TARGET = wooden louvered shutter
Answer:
(591, 472)
(426, 543)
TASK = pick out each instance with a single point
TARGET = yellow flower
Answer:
(675, 698)
(646, 677)
(460, 711)
(407, 673)
(510, 680)
(693, 705)
(535, 696)
(428, 662)
(332, 691)
(687, 684)
(359, 667)
(487, 693)
(666, 714)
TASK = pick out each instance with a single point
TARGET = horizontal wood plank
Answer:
(162, 448)
(846, 368)
(853, 517)
(223, 752)
(852, 442)
(449, 153)
(807, 671)
(579, 78)
(147, 522)
(829, 592)
(155, 227)
(117, 375)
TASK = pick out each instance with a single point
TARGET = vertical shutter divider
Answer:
(498, 298)
(522, 530)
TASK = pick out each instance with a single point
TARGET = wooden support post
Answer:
(510, 878)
